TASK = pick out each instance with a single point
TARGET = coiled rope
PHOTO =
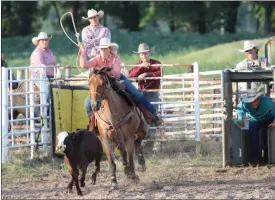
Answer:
(76, 34)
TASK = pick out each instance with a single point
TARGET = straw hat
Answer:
(92, 13)
(106, 43)
(41, 36)
(248, 45)
(143, 48)
(251, 95)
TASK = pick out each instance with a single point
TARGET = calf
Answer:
(80, 148)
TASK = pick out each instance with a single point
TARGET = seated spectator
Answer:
(261, 111)
(251, 61)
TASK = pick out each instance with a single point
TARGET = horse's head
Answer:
(99, 83)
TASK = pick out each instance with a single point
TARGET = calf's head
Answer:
(60, 141)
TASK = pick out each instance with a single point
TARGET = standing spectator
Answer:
(42, 56)
(92, 34)
(145, 69)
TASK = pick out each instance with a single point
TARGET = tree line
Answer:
(24, 18)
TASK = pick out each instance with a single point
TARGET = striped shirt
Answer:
(91, 36)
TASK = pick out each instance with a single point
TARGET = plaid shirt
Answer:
(91, 36)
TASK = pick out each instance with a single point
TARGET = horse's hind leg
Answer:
(107, 147)
(141, 160)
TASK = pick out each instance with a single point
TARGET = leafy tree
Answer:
(19, 18)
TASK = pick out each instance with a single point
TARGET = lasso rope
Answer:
(76, 34)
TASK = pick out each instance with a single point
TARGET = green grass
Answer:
(212, 51)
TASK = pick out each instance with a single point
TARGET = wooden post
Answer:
(228, 104)
(68, 72)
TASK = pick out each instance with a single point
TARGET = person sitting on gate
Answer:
(145, 69)
(92, 34)
(13, 85)
(252, 60)
(42, 56)
(109, 58)
(261, 111)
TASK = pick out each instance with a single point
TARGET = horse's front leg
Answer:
(123, 154)
(131, 150)
(107, 148)
(141, 160)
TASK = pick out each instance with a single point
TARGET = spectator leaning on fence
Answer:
(92, 34)
(261, 112)
(145, 69)
(42, 56)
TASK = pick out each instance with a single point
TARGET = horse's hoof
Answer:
(114, 186)
(141, 168)
(136, 179)
(79, 193)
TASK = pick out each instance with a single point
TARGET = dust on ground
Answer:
(179, 176)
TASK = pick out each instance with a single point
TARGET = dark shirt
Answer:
(152, 71)
(14, 84)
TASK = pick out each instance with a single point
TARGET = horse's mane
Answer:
(103, 71)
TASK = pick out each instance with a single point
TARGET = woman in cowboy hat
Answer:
(92, 34)
(42, 55)
(261, 111)
(108, 58)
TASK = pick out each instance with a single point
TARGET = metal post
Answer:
(4, 114)
(197, 104)
(32, 128)
(43, 108)
(19, 74)
(226, 122)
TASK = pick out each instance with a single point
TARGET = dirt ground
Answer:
(179, 177)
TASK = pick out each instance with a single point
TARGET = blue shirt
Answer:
(265, 111)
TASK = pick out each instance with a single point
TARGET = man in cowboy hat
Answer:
(251, 61)
(108, 58)
(42, 56)
(251, 49)
(147, 67)
(92, 34)
(261, 111)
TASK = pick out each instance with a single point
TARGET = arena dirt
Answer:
(178, 177)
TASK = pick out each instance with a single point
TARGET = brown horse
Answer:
(120, 124)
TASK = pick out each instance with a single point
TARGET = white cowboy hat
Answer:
(248, 45)
(92, 13)
(106, 43)
(143, 48)
(251, 95)
(41, 36)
